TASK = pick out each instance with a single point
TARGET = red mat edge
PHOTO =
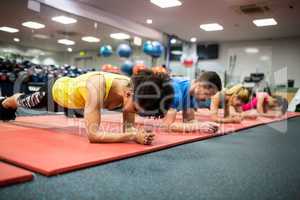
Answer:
(117, 158)
(17, 180)
(111, 159)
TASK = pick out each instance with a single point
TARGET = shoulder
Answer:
(262, 95)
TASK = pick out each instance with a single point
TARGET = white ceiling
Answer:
(14, 12)
(184, 21)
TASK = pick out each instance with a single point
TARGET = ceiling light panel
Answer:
(90, 39)
(64, 20)
(33, 25)
(9, 29)
(212, 27)
(66, 42)
(265, 22)
(120, 36)
(166, 3)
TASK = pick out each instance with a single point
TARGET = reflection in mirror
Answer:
(52, 43)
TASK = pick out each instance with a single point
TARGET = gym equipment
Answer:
(124, 51)
(158, 49)
(138, 67)
(148, 48)
(188, 60)
(12, 77)
(106, 51)
(127, 68)
(116, 70)
(56, 156)
(159, 70)
(3, 76)
(154, 49)
(106, 67)
(11, 175)
(110, 68)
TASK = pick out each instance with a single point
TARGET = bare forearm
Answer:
(183, 127)
(105, 137)
(269, 115)
(223, 120)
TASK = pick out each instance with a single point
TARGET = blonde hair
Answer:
(239, 91)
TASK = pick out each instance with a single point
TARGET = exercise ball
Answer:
(159, 70)
(148, 48)
(124, 51)
(189, 60)
(106, 67)
(115, 70)
(138, 67)
(106, 51)
(127, 68)
(157, 50)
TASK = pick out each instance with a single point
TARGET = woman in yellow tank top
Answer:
(148, 94)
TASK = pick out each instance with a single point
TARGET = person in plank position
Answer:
(265, 105)
(188, 96)
(231, 101)
(147, 93)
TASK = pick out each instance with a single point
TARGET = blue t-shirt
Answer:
(202, 104)
(182, 99)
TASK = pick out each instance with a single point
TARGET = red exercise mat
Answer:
(51, 153)
(55, 147)
(11, 174)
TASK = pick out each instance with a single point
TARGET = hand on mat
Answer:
(250, 115)
(209, 127)
(143, 137)
(131, 129)
(236, 119)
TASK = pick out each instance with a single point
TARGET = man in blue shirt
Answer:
(191, 95)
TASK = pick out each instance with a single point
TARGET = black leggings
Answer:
(39, 99)
(43, 99)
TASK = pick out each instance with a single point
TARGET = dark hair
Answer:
(211, 77)
(282, 103)
(153, 92)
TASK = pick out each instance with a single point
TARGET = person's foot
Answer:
(31, 101)
(6, 113)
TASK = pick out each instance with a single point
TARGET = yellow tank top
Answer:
(72, 92)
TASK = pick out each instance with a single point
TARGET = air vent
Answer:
(65, 33)
(254, 9)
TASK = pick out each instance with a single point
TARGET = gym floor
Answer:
(257, 163)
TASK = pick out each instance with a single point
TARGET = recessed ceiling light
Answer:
(70, 49)
(17, 40)
(265, 58)
(252, 50)
(33, 25)
(212, 27)
(265, 22)
(41, 36)
(176, 52)
(90, 39)
(120, 36)
(166, 3)
(9, 29)
(173, 41)
(66, 42)
(64, 20)
(193, 39)
(137, 41)
(149, 21)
